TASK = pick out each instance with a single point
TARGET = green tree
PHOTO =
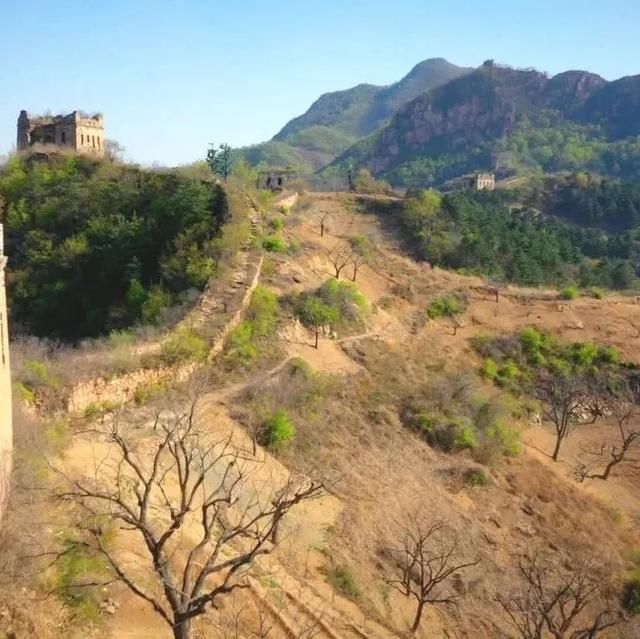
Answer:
(220, 160)
(316, 314)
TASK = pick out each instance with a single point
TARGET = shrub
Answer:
(98, 409)
(75, 564)
(37, 374)
(445, 306)
(631, 594)
(25, 394)
(184, 345)
(569, 293)
(265, 199)
(506, 438)
(531, 339)
(148, 391)
(609, 355)
(508, 373)
(344, 296)
(489, 369)
(597, 293)
(274, 244)
(262, 311)
(157, 301)
(465, 438)
(475, 477)
(279, 430)
(343, 580)
(240, 347)
(277, 224)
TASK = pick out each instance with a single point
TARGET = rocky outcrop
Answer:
(464, 116)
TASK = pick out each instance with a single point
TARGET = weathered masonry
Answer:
(77, 131)
(276, 179)
(6, 427)
(482, 181)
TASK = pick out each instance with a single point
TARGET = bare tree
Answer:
(429, 556)
(564, 398)
(624, 409)
(360, 253)
(114, 150)
(339, 255)
(189, 499)
(323, 217)
(357, 260)
(557, 603)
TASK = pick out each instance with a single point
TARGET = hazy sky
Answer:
(172, 75)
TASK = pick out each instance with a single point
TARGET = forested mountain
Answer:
(97, 246)
(338, 119)
(483, 233)
(512, 119)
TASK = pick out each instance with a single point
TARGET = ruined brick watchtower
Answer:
(77, 131)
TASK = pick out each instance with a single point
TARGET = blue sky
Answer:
(172, 75)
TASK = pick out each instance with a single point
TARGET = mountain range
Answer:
(337, 120)
(442, 120)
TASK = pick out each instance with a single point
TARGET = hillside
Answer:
(338, 119)
(517, 120)
(400, 415)
(97, 246)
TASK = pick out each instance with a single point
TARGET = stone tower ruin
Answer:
(78, 131)
(6, 427)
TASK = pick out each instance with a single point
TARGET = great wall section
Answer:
(218, 301)
(6, 418)
(219, 310)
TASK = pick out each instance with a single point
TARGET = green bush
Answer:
(241, 348)
(263, 311)
(489, 369)
(344, 296)
(608, 355)
(25, 394)
(465, 437)
(277, 224)
(531, 339)
(148, 391)
(445, 306)
(262, 314)
(274, 244)
(569, 293)
(98, 409)
(506, 438)
(76, 565)
(157, 301)
(508, 373)
(631, 594)
(279, 430)
(343, 581)
(584, 355)
(183, 345)
(475, 477)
